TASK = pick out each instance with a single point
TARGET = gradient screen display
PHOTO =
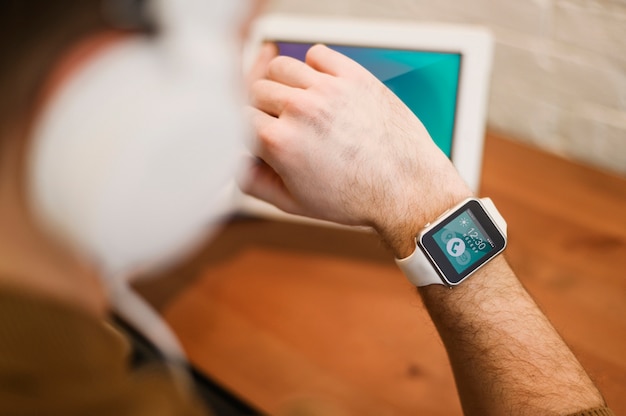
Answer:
(427, 82)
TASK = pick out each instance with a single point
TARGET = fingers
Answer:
(264, 126)
(264, 183)
(283, 76)
(282, 73)
(270, 97)
(259, 70)
(325, 60)
(320, 61)
(292, 72)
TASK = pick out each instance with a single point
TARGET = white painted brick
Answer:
(517, 70)
(595, 80)
(553, 69)
(527, 118)
(528, 16)
(597, 136)
(611, 5)
(418, 10)
(533, 17)
(590, 26)
(311, 7)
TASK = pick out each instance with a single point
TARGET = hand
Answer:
(335, 144)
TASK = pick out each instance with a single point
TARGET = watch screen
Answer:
(463, 242)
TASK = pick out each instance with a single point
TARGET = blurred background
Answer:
(559, 73)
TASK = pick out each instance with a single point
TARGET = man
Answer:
(333, 143)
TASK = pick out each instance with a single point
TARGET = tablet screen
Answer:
(427, 82)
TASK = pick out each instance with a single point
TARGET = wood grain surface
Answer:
(291, 315)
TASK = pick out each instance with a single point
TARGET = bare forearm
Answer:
(506, 356)
(337, 145)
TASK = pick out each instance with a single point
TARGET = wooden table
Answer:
(284, 314)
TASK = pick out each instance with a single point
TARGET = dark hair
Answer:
(36, 32)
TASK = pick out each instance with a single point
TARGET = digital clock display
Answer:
(461, 243)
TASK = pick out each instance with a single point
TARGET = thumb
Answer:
(262, 182)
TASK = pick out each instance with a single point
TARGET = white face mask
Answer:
(132, 159)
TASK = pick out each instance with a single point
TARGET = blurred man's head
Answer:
(125, 115)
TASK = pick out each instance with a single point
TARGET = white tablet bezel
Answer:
(475, 44)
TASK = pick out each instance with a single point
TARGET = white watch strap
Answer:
(418, 269)
(494, 214)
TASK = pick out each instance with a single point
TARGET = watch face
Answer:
(462, 242)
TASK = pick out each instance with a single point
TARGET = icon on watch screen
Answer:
(464, 258)
(447, 235)
(455, 247)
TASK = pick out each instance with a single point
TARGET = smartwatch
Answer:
(455, 245)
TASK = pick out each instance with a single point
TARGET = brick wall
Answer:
(559, 79)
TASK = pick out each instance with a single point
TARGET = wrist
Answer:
(399, 229)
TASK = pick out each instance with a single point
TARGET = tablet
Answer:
(440, 71)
